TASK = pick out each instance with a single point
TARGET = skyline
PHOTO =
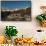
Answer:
(15, 4)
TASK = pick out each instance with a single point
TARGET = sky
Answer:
(15, 4)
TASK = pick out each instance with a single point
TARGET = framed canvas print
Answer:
(15, 10)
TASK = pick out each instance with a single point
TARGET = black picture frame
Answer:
(22, 14)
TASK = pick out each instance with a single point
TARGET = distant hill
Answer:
(19, 14)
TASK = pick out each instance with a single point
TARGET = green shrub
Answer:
(41, 17)
(11, 31)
